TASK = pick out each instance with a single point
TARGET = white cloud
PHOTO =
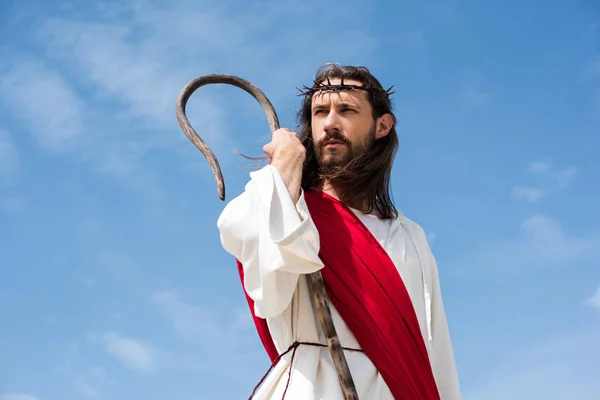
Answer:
(547, 238)
(133, 72)
(216, 338)
(42, 99)
(8, 156)
(563, 178)
(89, 383)
(18, 396)
(46, 103)
(134, 353)
(533, 195)
(557, 178)
(86, 380)
(195, 323)
(542, 243)
(549, 179)
(130, 61)
(593, 300)
(540, 166)
(209, 328)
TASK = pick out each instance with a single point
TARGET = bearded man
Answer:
(323, 204)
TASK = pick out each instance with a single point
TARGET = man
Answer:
(323, 203)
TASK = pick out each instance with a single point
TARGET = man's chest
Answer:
(403, 250)
(400, 247)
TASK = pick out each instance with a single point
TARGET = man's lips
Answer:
(333, 143)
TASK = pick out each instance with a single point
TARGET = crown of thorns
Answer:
(320, 88)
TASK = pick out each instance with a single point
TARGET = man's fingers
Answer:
(268, 149)
(281, 136)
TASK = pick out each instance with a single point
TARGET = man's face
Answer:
(342, 125)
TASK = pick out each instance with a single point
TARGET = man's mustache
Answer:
(335, 135)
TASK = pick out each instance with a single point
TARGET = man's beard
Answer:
(339, 157)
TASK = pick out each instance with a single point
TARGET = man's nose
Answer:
(332, 122)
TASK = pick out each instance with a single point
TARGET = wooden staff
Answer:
(315, 280)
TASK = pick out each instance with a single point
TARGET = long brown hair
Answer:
(366, 178)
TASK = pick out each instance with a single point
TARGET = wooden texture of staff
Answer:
(315, 280)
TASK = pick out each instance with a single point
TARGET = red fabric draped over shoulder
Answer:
(364, 286)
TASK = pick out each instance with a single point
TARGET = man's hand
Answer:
(287, 154)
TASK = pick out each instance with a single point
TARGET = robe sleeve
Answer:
(274, 239)
(442, 355)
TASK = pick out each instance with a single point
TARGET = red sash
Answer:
(364, 286)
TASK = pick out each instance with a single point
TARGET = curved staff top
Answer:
(315, 280)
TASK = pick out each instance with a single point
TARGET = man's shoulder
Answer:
(413, 227)
(410, 223)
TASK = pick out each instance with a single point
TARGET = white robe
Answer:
(277, 243)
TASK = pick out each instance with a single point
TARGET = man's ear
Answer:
(383, 126)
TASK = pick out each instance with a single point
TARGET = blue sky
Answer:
(114, 284)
